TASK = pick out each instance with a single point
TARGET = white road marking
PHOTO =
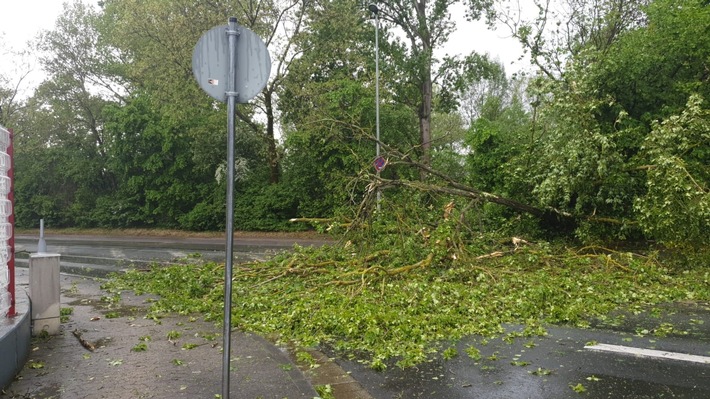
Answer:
(117, 253)
(649, 353)
(178, 254)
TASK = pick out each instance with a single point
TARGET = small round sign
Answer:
(380, 164)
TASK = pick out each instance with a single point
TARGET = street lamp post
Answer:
(373, 8)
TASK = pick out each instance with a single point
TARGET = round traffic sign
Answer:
(379, 164)
(210, 63)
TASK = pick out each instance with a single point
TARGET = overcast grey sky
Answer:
(22, 20)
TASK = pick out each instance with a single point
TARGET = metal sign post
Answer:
(230, 64)
(231, 94)
(373, 8)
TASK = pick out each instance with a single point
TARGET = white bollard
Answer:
(44, 293)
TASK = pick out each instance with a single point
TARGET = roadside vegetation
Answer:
(603, 136)
(392, 293)
(577, 185)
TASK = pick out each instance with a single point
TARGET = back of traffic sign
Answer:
(232, 65)
(210, 63)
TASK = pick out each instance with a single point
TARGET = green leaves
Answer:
(676, 207)
(587, 150)
(140, 347)
(371, 303)
(579, 388)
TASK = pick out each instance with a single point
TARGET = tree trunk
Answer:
(425, 121)
(273, 157)
(549, 217)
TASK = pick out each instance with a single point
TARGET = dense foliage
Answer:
(379, 307)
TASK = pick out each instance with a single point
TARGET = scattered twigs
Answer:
(422, 263)
(382, 271)
(496, 254)
(596, 251)
(294, 268)
(375, 255)
(517, 242)
(86, 344)
(270, 280)
(330, 222)
(318, 265)
(368, 270)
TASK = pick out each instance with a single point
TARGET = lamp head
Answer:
(373, 8)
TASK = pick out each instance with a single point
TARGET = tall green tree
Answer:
(61, 148)
(13, 81)
(159, 181)
(593, 120)
(553, 33)
(427, 25)
(281, 22)
(159, 37)
(653, 69)
(328, 108)
(676, 205)
(10, 102)
(499, 131)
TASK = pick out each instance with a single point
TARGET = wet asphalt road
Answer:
(553, 366)
(99, 256)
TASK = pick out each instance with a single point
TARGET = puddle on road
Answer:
(606, 386)
(680, 319)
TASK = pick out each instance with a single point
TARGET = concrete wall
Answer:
(14, 340)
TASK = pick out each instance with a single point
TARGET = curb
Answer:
(15, 340)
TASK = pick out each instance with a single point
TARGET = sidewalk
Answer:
(180, 357)
(135, 357)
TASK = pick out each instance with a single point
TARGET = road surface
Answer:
(100, 255)
(648, 355)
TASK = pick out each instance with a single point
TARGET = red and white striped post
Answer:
(11, 220)
(7, 226)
